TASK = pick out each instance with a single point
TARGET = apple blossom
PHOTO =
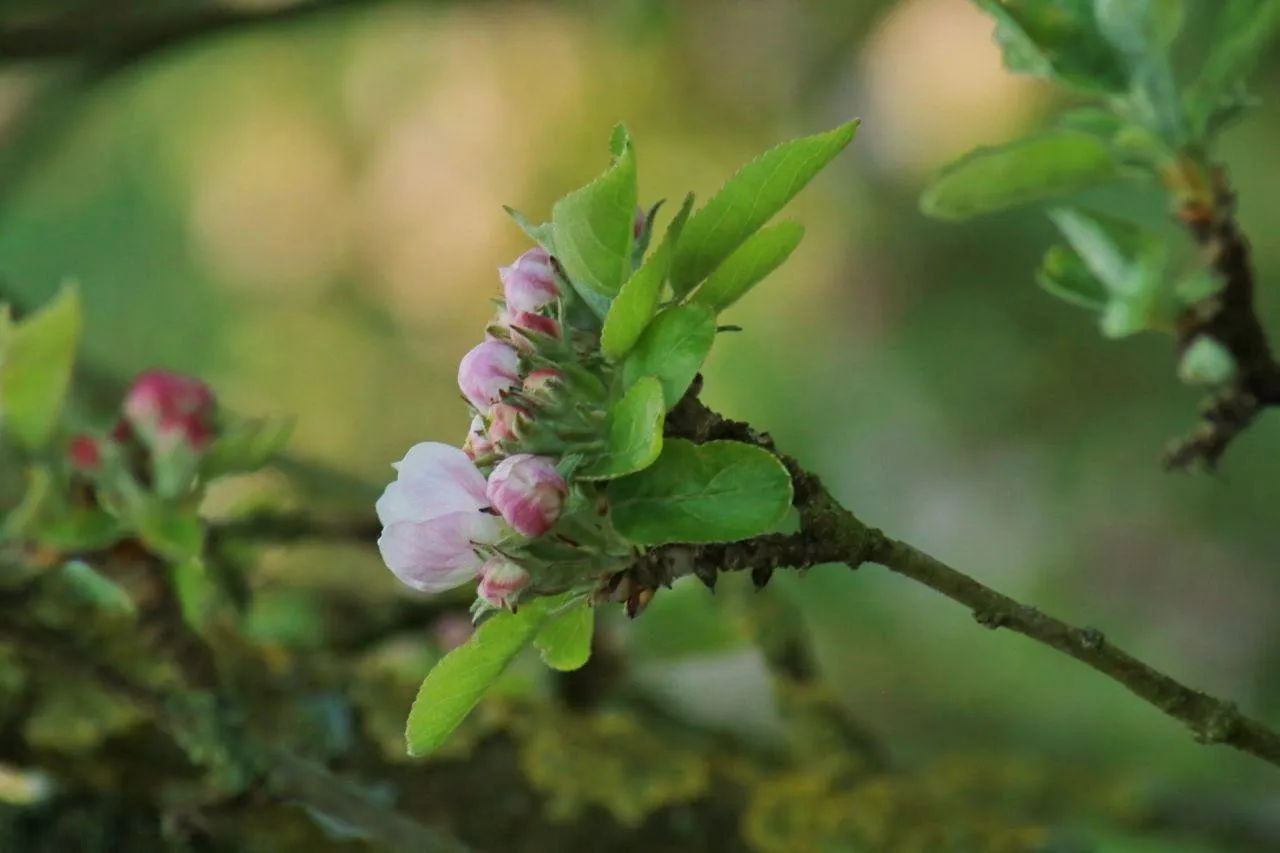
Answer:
(477, 445)
(433, 515)
(530, 282)
(525, 324)
(504, 422)
(486, 371)
(528, 491)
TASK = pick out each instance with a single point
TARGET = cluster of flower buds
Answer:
(167, 423)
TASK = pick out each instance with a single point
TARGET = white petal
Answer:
(434, 479)
(437, 555)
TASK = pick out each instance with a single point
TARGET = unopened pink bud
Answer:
(528, 491)
(530, 283)
(501, 581)
(179, 406)
(85, 453)
(489, 369)
(504, 422)
(638, 228)
(477, 445)
(525, 326)
(542, 383)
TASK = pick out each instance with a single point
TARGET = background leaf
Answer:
(1058, 39)
(460, 679)
(748, 200)
(634, 433)
(762, 253)
(722, 491)
(1064, 274)
(673, 348)
(35, 369)
(565, 641)
(638, 299)
(991, 179)
(594, 226)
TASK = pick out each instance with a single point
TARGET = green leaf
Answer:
(245, 445)
(594, 226)
(1245, 32)
(1108, 247)
(1139, 27)
(199, 595)
(456, 684)
(171, 531)
(634, 433)
(543, 235)
(15, 525)
(638, 299)
(80, 529)
(35, 369)
(565, 641)
(762, 253)
(1065, 275)
(1058, 39)
(646, 234)
(722, 491)
(672, 348)
(97, 589)
(748, 200)
(991, 179)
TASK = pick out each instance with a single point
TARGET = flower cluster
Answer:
(444, 521)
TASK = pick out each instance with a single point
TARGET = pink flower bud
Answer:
(179, 406)
(542, 384)
(433, 517)
(525, 325)
(530, 283)
(85, 454)
(477, 445)
(638, 228)
(504, 422)
(528, 491)
(489, 369)
(501, 581)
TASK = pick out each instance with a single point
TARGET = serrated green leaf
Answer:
(992, 179)
(171, 531)
(722, 491)
(761, 253)
(35, 369)
(672, 348)
(638, 299)
(565, 641)
(245, 445)
(460, 679)
(543, 235)
(1057, 39)
(594, 227)
(634, 433)
(748, 200)
(1065, 275)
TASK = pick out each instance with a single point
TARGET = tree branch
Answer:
(832, 534)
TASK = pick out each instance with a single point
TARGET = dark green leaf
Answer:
(594, 227)
(672, 348)
(750, 199)
(456, 684)
(1245, 32)
(1058, 39)
(80, 529)
(565, 641)
(722, 491)
(761, 253)
(15, 525)
(991, 179)
(246, 445)
(35, 369)
(172, 531)
(634, 433)
(1065, 275)
(634, 306)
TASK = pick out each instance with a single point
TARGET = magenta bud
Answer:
(85, 454)
(542, 383)
(528, 491)
(530, 282)
(523, 325)
(179, 408)
(486, 371)
(501, 582)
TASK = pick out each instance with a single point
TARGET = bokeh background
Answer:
(308, 214)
